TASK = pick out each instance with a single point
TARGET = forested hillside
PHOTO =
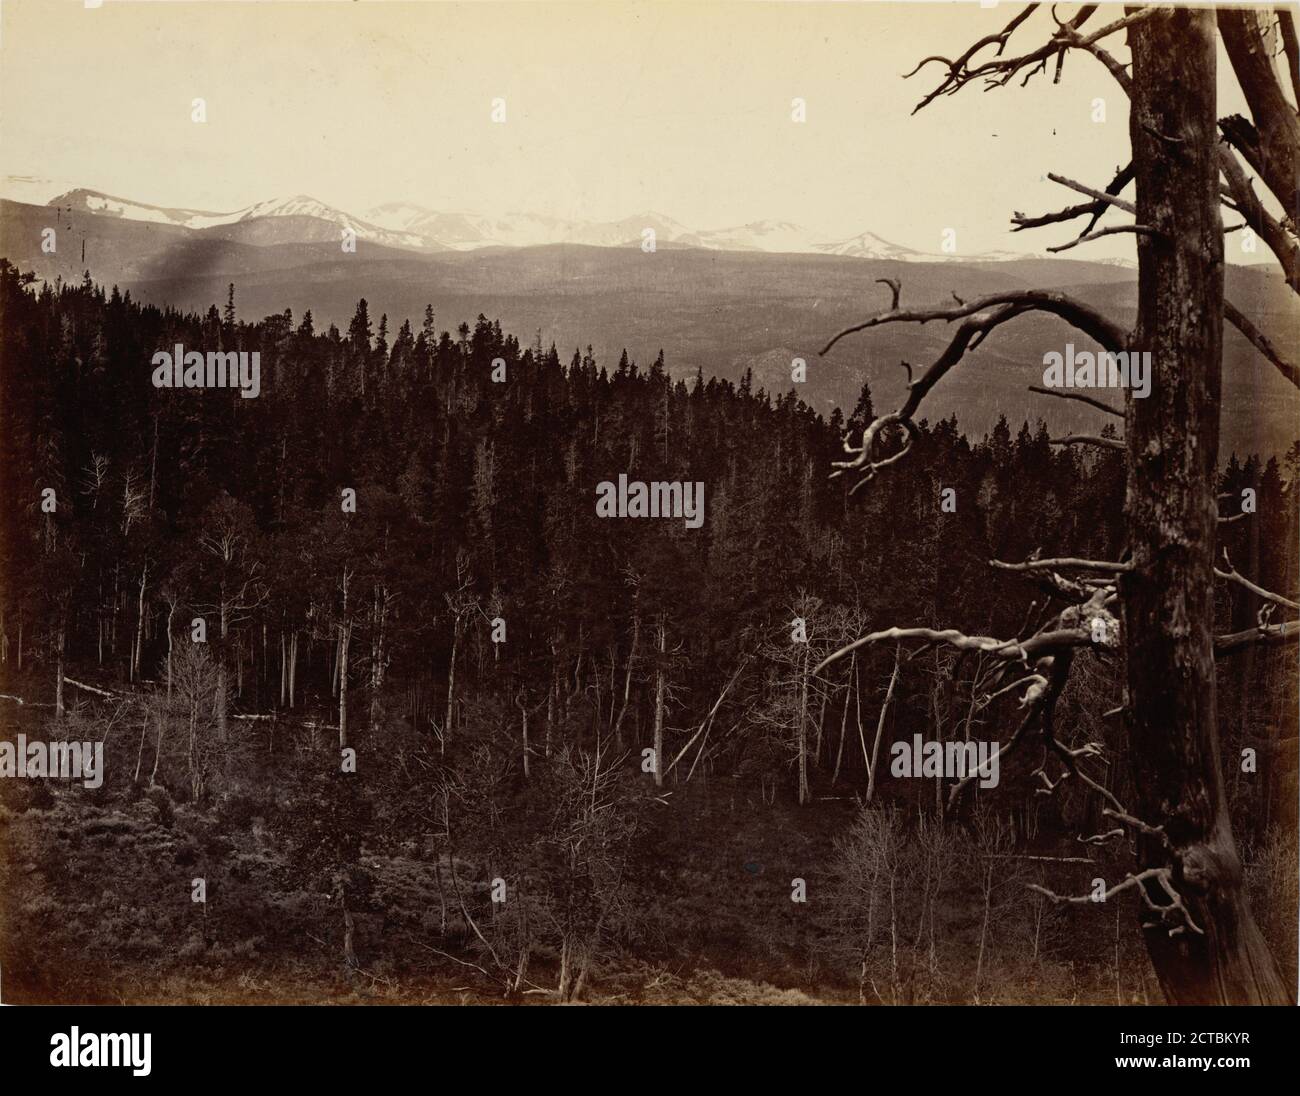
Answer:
(448, 731)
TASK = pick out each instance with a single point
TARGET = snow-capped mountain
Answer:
(781, 236)
(92, 201)
(465, 231)
(629, 230)
(298, 206)
(409, 226)
(867, 245)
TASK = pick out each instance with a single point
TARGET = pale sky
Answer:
(683, 109)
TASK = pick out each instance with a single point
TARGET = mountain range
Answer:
(717, 304)
(411, 227)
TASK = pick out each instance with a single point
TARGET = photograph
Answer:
(638, 503)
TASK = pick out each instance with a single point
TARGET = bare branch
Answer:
(1062, 394)
(1088, 439)
(999, 70)
(999, 39)
(1032, 679)
(1023, 650)
(1264, 224)
(1113, 230)
(1260, 342)
(958, 73)
(1275, 635)
(1138, 882)
(1075, 312)
(1233, 575)
(1122, 178)
(1063, 563)
(1113, 66)
(978, 319)
(1069, 213)
(1139, 16)
(1099, 195)
(1102, 838)
(863, 460)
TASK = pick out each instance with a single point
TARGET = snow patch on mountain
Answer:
(411, 226)
(298, 205)
(867, 245)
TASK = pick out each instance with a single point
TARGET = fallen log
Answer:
(88, 688)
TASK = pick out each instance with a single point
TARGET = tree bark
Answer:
(1173, 441)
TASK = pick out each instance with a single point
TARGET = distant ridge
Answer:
(301, 218)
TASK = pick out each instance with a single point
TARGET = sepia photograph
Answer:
(627, 504)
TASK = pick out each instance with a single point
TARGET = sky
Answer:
(611, 109)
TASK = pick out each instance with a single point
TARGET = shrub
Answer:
(159, 797)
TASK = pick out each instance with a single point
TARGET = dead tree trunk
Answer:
(521, 702)
(221, 698)
(1172, 438)
(379, 619)
(627, 679)
(844, 718)
(661, 685)
(58, 684)
(139, 624)
(171, 612)
(345, 641)
(801, 730)
(451, 683)
(872, 764)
